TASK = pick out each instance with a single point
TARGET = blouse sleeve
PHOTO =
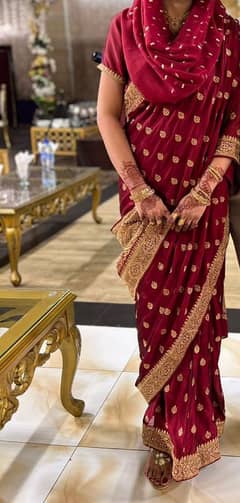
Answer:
(229, 141)
(113, 59)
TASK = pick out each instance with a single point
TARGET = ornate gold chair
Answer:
(4, 159)
(3, 115)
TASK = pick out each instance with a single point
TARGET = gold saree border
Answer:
(140, 244)
(186, 467)
(163, 370)
(109, 71)
(133, 98)
(229, 146)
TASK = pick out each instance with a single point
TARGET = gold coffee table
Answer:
(34, 324)
(23, 208)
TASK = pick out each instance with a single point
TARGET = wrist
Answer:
(203, 198)
(140, 193)
(139, 186)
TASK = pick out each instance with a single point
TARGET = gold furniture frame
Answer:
(4, 159)
(21, 213)
(65, 137)
(4, 115)
(45, 323)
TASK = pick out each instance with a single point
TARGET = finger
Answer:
(186, 226)
(159, 221)
(180, 224)
(194, 224)
(145, 220)
(173, 217)
(163, 226)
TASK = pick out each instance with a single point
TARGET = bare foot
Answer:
(158, 468)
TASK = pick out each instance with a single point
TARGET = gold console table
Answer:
(33, 325)
(65, 137)
(23, 208)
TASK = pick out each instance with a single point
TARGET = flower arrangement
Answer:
(43, 66)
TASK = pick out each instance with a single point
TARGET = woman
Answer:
(172, 64)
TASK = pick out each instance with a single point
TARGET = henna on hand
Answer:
(209, 180)
(188, 203)
(189, 211)
(130, 174)
(153, 210)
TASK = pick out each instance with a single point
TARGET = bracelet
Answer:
(215, 173)
(201, 197)
(141, 194)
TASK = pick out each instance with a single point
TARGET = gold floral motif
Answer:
(109, 71)
(188, 466)
(178, 138)
(166, 112)
(194, 141)
(196, 119)
(133, 98)
(163, 370)
(162, 134)
(229, 146)
(181, 115)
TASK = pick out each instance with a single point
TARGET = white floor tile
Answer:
(103, 348)
(107, 476)
(41, 417)
(28, 472)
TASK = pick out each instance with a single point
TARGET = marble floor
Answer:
(49, 456)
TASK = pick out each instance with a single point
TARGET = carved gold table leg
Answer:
(12, 230)
(8, 402)
(70, 349)
(96, 196)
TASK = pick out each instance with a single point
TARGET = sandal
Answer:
(158, 469)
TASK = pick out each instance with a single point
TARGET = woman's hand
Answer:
(152, 210)
(187, 214)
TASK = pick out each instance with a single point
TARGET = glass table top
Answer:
(13, 310)
(21, 311)
(13, 195)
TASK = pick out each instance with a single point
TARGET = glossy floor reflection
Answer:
(51, 457)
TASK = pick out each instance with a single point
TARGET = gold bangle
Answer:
(203, 199)
(214, 172)
(140, 195)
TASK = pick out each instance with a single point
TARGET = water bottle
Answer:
(47, 160)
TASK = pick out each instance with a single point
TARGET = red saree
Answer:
(182, 107)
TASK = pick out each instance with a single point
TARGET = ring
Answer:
(181, 222)
(159, 221)
(175, 216)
